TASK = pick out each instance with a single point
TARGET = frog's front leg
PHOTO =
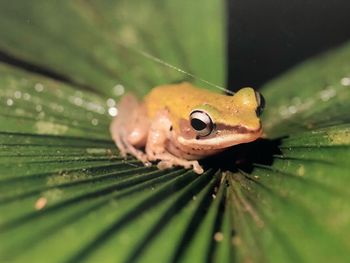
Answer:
(158, 136)
(129, 128)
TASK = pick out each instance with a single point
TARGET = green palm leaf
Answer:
(67, 196)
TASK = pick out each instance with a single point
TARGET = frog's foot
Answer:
(167, 160)
(126, 147)
(166, 164)
(129, 148)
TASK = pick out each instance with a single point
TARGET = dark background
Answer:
(266, 37)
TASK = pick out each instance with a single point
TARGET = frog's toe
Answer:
(147, 164)
(197, 168)
(166, 164)
(126, 147)
(122, 150)
(162, 165)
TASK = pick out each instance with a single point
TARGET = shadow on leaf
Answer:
(243, 156)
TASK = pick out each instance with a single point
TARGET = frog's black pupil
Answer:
(261, 107)
(198, 125)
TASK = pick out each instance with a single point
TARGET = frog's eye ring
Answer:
(261, 103)
(201, 122)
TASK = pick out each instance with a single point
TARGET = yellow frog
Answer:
(179, 124)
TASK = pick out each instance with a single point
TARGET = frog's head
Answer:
(225, 122)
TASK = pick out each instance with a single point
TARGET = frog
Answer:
(180, 124)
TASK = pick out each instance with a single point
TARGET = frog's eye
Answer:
(201, 122)
(261, 103)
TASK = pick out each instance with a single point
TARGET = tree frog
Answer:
(179, 124)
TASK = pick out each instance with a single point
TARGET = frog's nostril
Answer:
(261, 103)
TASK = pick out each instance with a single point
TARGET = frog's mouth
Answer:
(223, 137)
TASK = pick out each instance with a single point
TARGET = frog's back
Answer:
(178, 98)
